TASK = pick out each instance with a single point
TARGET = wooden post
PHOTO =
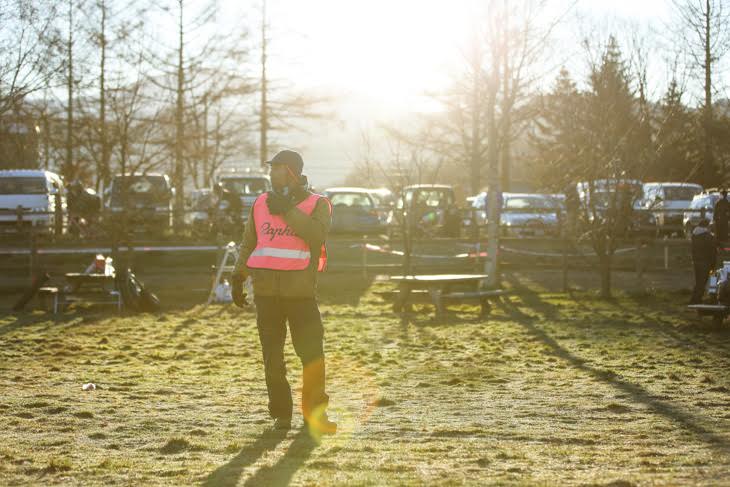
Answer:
(477, 243)
(639, 262)
(219, 244)
(564, 248)
(33, 261)
(364, 257)
(666, 254)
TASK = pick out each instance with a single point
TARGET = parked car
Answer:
(524, 214)
(669, 200)
(248, 185)
(147, 198)
(703, 201)
(430, 210)
(354, 210)
(40, 197)
(620, 198)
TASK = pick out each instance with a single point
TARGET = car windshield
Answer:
(351, 200)
(433, 198)
(528, 203)
(605, 199)
(382, 199)
(680, 193)
(149, 189)
(705, 202)
(22, 185)
(245, 186)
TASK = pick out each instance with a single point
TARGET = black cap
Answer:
(290, 158)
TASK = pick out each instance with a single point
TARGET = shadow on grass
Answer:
(281, 473)
(77, 317)
(343, 288)
(230, 473)
(640, 395)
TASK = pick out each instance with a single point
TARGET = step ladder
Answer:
(224, 266)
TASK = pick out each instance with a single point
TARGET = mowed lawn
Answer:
(552, 389)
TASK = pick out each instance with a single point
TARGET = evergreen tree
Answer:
(558, 138)
(612, 121)
(678, 155)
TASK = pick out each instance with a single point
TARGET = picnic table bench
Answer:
(439, 288)
(81, 288)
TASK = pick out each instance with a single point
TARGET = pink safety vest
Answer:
(277, 246)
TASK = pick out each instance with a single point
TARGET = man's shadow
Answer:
(230, 473)
(279, 474)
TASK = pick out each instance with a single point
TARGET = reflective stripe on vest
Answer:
(277, 246)
(281, 253)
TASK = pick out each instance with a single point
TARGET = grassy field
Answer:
(552, 389)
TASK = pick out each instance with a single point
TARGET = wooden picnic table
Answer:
(440, 289)
(78, 280)
(82, 288)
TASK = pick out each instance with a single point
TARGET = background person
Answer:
(704, 254)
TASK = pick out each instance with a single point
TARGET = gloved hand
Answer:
(278, 203)
(237, 289)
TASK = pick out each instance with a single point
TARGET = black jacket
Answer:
(704, 248)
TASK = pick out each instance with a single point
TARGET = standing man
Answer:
(704, 253)
(283, 250)
(720, 216)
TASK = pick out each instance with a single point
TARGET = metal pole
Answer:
(364, 257)
(564, 245)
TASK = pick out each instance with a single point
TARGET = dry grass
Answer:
(551, 390)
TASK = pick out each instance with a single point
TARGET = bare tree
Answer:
(281, 108)
(28, 40)
(170, 72)
(706, 26)
(112, 28)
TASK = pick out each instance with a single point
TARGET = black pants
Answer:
(702, 273)
(307, 333)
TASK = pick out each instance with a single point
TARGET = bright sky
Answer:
(394, 50)
(383, 56)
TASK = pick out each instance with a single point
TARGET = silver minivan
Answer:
(669, 202)
(32, 199)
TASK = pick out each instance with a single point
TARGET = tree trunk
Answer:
(494, 195)
(604, 262)
(506, 119)
(709, 174)
(104, 174)
(263, 150)
(179, 133)
(476, 136)
(68, 171)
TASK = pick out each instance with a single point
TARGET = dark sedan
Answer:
(354, 210)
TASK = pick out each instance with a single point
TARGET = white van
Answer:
(670, 200)
(38, 196)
